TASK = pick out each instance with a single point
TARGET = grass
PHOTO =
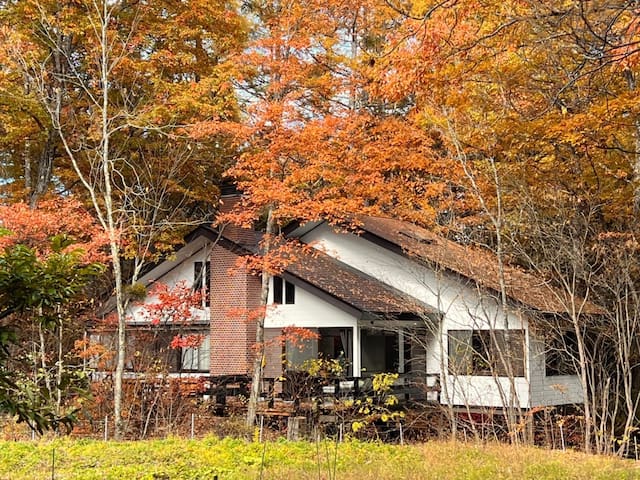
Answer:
(232, 459)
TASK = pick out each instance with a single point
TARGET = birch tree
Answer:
(125, 87)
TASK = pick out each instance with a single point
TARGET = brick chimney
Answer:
(235, 295)
(246, 237)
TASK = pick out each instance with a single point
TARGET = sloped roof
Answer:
(475, 263)
(351, 286)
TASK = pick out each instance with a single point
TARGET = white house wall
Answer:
(171, 272)
(444, 292)
(463, 308)
(310, 311)
(487, 391)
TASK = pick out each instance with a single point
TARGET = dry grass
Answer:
(235, 459)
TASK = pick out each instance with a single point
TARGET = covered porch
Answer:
(342, 360)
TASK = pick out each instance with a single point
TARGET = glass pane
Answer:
(204, 354)
(460, 352)
(277, 290)
(289, 293)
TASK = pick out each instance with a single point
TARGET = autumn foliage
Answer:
(59, 216)
(321, 141)
(449, 113)
(170, 305)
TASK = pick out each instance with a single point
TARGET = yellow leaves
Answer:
(383, 382)
(357, 426)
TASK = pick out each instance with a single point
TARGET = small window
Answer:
(486, 352)
(277, 290)
(283, 290)
(202, 280)
(561, 354)
(289, 293)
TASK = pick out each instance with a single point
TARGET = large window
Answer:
(283, 292)
(380, 351)
(486, 352)
(197, 359)
(153, 349)
(202, 280)
(331, 344)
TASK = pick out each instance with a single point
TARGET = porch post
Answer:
(400, 350)
(357, 353)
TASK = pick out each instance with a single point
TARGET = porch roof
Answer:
(352, 287)
(477, 264)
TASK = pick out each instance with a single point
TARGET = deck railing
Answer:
(296, 388)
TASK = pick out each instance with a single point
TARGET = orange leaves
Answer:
(625, 53)
(324, 137)
(87, 349)
(186, 341)
(335, 167)
(297, 337)
(171, 305)
(34, 227)
(275, 258)
(168, 66)
(248, 315)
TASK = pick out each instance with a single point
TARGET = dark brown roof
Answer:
(351, 286)
(477, 264)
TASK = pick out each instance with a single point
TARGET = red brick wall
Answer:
(242, 236)
(273, 353)
(235, 295)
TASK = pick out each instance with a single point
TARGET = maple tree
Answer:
(33, 227)
(51, 255)
(167, 343)
(317, 142)
(176, 310)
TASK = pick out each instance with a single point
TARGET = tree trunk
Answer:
(112, 228)
(43, 360)
(26, 162)
(258, 361)
(44, 169)
(636, 168)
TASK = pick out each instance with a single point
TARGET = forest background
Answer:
(510, 125)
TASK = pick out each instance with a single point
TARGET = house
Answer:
(484, 352)
(387, 296)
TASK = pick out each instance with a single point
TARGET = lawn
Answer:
(236, 459)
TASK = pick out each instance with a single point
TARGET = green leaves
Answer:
(37, 286)
(40, 290)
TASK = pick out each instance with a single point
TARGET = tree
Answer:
(128, 82)
(167, 342)
(316, 141)
(29, 144)
(51, 254)
(39, 290)
(34, 227)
